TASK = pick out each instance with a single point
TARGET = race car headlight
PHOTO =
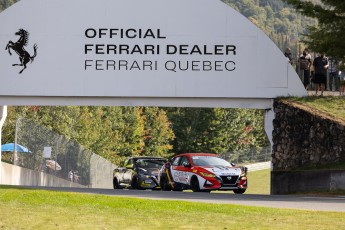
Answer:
(244, 171)
(144, 175)
(207, 174)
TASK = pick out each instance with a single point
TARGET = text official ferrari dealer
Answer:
(140, 53)
(121, 43)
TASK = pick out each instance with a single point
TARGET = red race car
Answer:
(202, 172)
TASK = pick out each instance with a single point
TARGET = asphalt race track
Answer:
(303, 202)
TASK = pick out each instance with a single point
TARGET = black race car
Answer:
(138, 173)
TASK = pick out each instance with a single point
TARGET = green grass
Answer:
(37, 209)
(334, 106)
(259, 182)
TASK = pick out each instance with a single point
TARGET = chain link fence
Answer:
(254, 155)
(54, 154)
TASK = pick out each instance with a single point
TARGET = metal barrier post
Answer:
(3, 115)
(15, 156)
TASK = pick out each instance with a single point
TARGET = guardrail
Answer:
(259, 166)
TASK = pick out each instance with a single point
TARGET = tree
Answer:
(158, 132)
(189, 124)
(6, 3)
(328, 36)
(216, 130)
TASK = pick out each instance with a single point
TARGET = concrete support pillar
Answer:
(269, 116)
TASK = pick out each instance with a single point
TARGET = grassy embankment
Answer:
(37, 209)
(333, 106)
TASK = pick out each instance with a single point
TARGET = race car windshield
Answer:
(149, 163)
(209, 161)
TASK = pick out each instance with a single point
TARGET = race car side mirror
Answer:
(129, 166)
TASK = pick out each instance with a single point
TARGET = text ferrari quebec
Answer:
(138, 173)
(202, 172)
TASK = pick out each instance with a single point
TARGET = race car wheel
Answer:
(116, 184)
(164, 183)
(194, 184)
(178, 189)
(134, 183)
(239, 191)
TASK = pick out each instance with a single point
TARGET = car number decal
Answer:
(181, 177)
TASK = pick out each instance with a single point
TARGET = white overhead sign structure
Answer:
(138, 52)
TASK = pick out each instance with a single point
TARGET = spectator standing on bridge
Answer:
(304, 63)
(320, 67)
(75, 177)
(70, 175)
(288, 55)
(333, 72)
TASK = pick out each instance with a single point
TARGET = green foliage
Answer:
(158, 132)
(111, 132)
(216, 130)
(6, 3)
(328, 36)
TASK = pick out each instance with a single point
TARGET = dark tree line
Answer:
(119, 132)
